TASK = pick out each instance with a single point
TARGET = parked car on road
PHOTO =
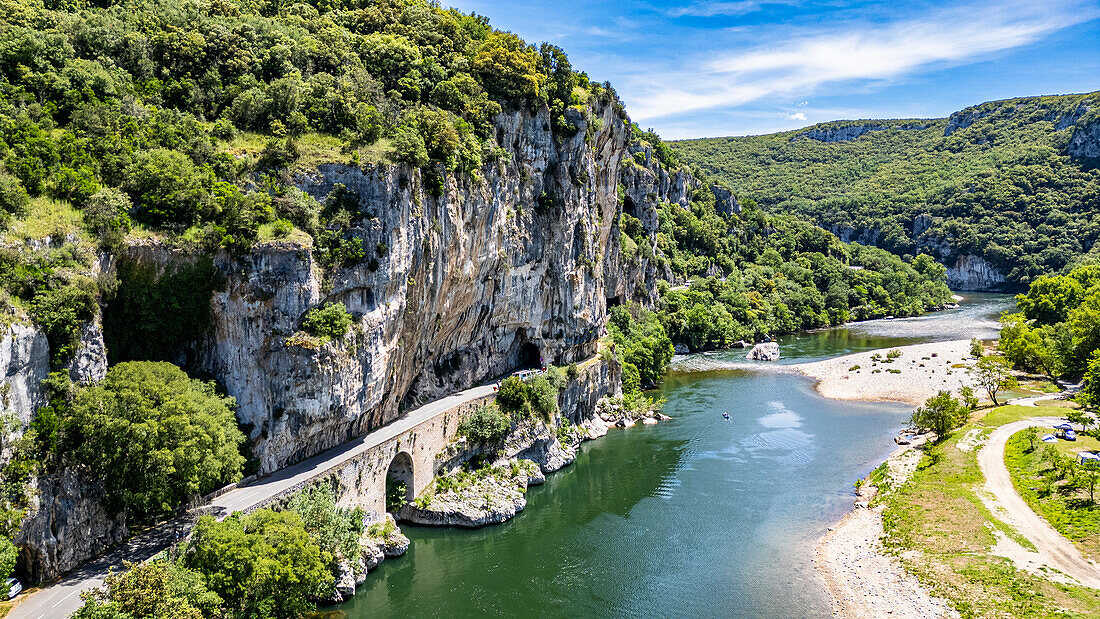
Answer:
(14, 587)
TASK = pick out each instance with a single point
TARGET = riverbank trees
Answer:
(1056, 329)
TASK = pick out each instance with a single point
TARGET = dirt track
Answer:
(1053, 548)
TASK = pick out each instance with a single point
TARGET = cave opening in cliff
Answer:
(628, 206)
(399, 482)
(530, 356)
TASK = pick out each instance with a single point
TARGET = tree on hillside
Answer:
(154, 436)
(993, 374)
(941, 413)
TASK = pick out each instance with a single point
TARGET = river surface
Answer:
(697, 516)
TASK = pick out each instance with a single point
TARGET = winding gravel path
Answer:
(1053, 548)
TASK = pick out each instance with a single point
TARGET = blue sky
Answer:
(700, 68)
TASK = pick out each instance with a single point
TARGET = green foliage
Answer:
(397, 494)
(174, 105)
(167, 189)
(9, 554)
(941, 413)
(977, 349)
(328, 322)
(1050, 481)
(155, 589)
(778, 275)
(13, 198)
(153, 436)
(60, 313)
(336, 530)
(966, 394)
(533, 397)
(107, 216)
(993, 373)
(155, 314)
(1001, 187)
(261, 565)
(486, 425)
(642, 344)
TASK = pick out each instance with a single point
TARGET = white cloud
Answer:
(849, 52)
(596, 31)
(714, 9)
(798, 116)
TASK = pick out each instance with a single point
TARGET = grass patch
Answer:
(48, 217)
(314, 149)
(273, 231)
(1007, 414)
(1064, 505)
(942, 533)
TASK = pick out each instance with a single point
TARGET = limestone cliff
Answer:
(973, 273)
(491, 274)
(512, 266)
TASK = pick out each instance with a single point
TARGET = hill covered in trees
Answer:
(1014, 182)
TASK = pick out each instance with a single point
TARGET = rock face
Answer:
(1085, 143)
(489, 498)
(764, 351)
(516, 265)
(727, 202)
(841, 134)
(852, 132)
(460, 287)
(65, 526)
(25, 363)
(973, 273)
(379, 542)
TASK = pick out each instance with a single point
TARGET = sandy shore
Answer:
(920, 372)
(862, 579)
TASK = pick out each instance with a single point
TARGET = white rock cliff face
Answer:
(25, 362)
(464, 286)
(492, 274)
(971, 273)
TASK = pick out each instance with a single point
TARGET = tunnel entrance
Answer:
(529, 356)
(399, 482)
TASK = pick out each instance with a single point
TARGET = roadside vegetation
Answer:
(1058, 487)
(266, 564)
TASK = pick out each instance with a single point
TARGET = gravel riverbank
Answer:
(863, 580)
(916, 375)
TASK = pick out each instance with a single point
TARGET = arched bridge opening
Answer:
(399, 482)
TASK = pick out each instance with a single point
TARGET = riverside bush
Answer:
(486, 426)
(262, 565)
(336, 530)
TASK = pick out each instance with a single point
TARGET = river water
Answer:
(696, 516)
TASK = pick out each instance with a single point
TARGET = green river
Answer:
(697, 516)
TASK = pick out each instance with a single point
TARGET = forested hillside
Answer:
(1014, 182)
